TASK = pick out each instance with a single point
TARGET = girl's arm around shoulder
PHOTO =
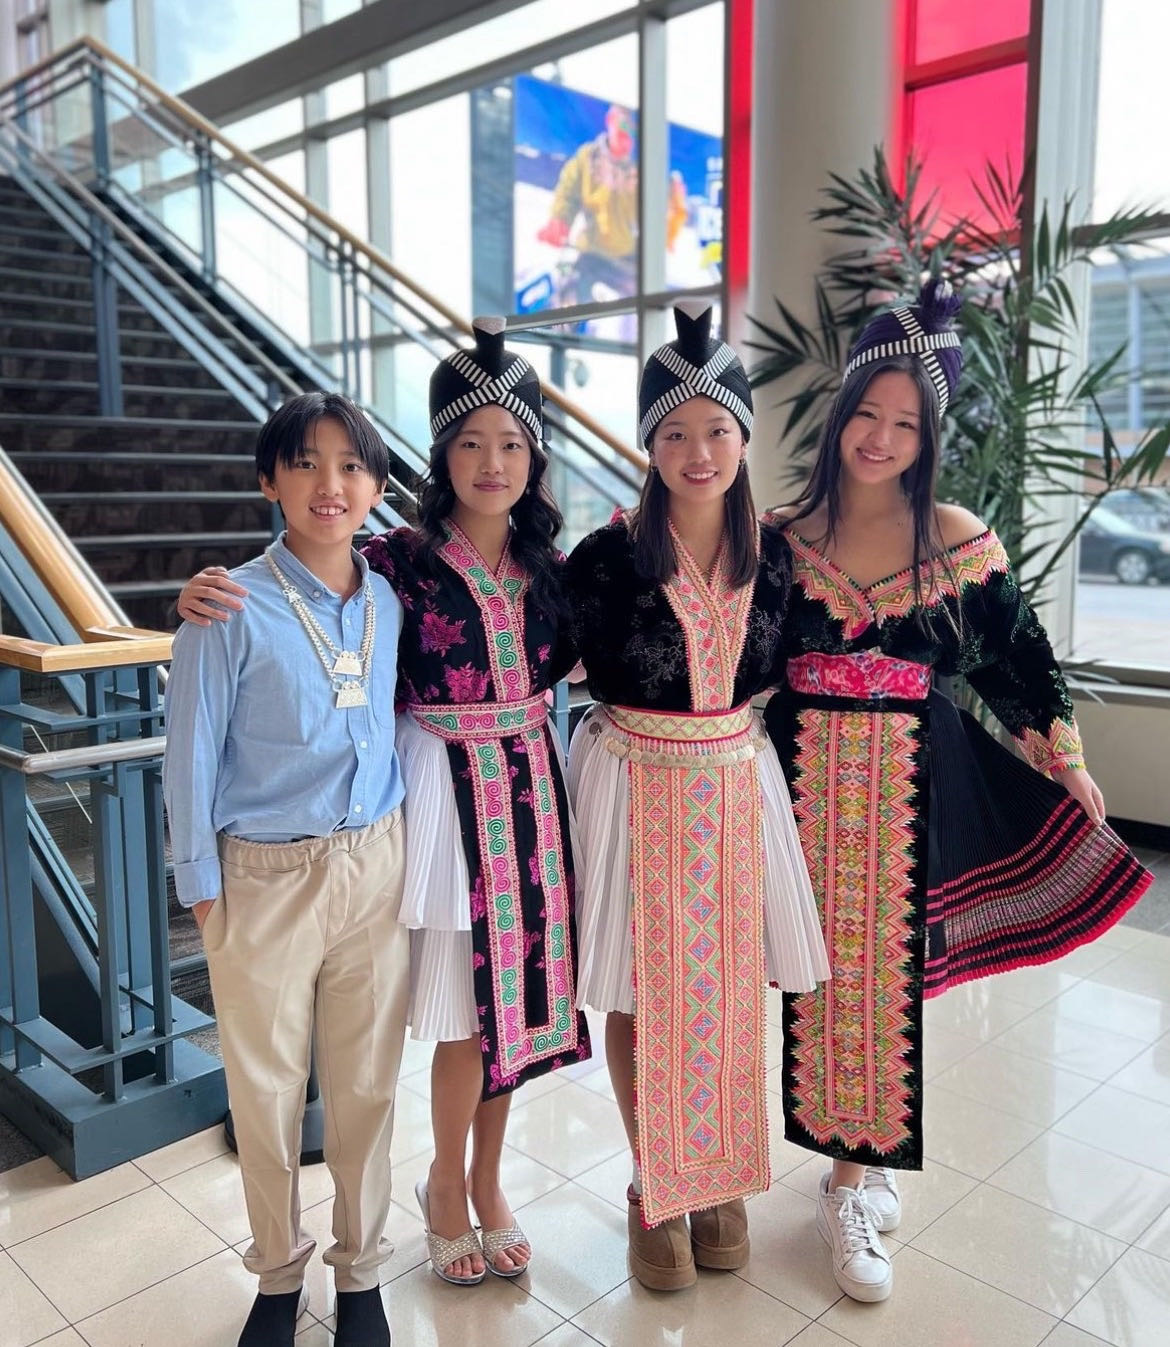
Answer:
(602, 548)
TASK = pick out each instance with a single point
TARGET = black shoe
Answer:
(361, 1320)
(272, 1321)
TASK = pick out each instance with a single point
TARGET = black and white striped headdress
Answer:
(697, 365)
(924, 330)
(488, 375)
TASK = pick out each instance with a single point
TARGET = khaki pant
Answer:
(306, 938)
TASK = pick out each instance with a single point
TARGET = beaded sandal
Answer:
(444, 1252)
(496, 1242)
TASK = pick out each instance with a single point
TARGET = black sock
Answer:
(272, 1322)
(361, 1320)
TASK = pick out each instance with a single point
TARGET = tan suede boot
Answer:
(719, 1235)
(660, 1258)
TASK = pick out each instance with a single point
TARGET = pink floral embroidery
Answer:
(477, 961)
(867, 674)
(534, 871)
(478, 900)
(499, 1081)
(467, 684)
(439, 634)
(543, 652)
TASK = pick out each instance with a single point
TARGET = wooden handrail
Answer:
(44, 658)
(50, 553)
(374, 255)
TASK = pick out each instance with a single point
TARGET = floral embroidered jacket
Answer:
(443, 658)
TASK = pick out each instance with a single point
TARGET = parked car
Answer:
(1110, 545)
(1144, 507)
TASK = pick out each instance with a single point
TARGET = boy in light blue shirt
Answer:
(283, 792)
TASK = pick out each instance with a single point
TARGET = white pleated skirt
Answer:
(436, 902)
(436, 898)
(794, 947)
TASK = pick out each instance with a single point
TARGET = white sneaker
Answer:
(860, 1263)
(882, 1198)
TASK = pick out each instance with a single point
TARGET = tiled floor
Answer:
(1042, 1215)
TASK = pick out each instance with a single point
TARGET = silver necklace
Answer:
(336, 663)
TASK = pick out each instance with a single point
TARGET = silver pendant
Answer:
(347, 663)
(350, 694)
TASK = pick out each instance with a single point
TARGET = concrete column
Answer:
(1066, 145)
(827, 80)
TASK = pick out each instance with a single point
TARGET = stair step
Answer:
(52, 325)
(90, 357)
(98, 435)
(145, 424)
(22, 297)
(42, 275)
(91, 386)
(50, 259)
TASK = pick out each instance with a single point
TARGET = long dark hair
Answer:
(536, 520)
(654, 555)
(918, 481)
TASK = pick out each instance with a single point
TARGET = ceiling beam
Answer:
(374, 33)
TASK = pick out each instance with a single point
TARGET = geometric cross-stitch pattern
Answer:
(850, 1069)
(698, 979)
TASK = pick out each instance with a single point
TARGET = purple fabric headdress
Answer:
(925, 330)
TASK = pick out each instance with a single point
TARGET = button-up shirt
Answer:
(256, 746)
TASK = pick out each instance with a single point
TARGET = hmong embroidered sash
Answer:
(480, 728)
(852, 1046)
(868, 675)
(697, 871)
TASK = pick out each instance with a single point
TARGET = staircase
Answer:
(148, 496)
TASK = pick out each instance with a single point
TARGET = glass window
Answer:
(346, 169)
(1154, 336)
(193, 43)
(1109, 329)
(946, 28)
(262, 128)
(430, 198)
(331, 10)
(495, 38)
(1123, 560)
(694, 110)
(119, 30)
(1131, 107)
(959, 126)
(262, 254)
(345, 96)
(603, 383)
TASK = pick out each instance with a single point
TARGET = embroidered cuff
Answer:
(1058, 750)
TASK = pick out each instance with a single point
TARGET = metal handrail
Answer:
(93, 755)
(98, 52)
